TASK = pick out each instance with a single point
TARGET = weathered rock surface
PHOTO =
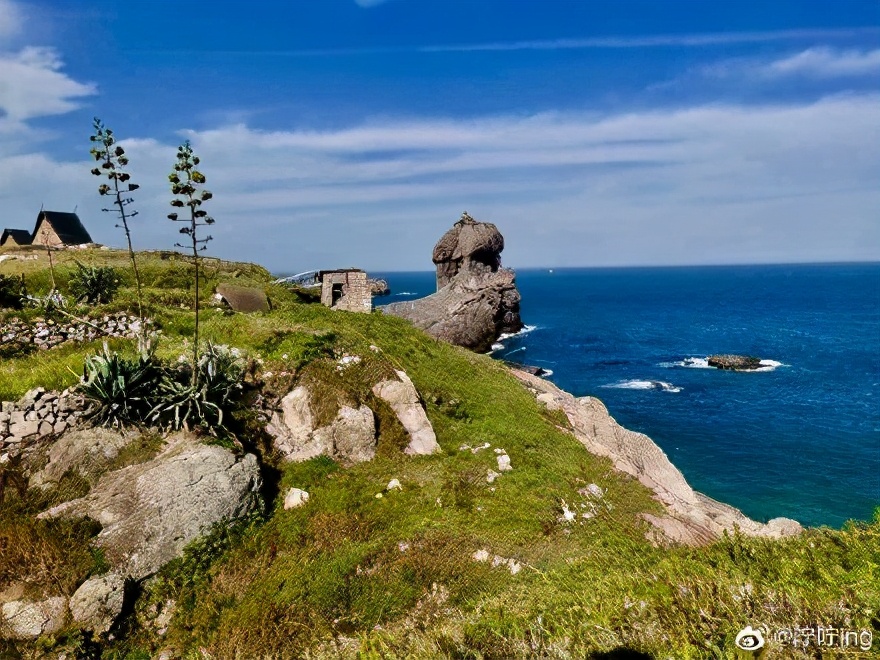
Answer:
(402, 397)
(734, 362)
(23, 619)
(379, 287)
(476, 300)
(150, 511)
(691, 517)
(295, 497)
(86, 451)
(98, 602)
(350, 438)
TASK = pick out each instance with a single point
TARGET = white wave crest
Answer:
(547, 372)
(644, 385)
(688, 363)
(526, 330)
(768, 365)
(405, 293)
(497, 346)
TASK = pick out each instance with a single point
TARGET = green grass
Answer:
(330, 579)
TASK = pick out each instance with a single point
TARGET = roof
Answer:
(20, 236)
(67, 225)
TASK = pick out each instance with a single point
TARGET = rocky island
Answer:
(734, 362)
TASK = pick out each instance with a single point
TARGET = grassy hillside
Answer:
(352, 573)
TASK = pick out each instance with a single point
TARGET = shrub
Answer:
(121, 388)
(12, 292)
(185, 402)
(94, 284)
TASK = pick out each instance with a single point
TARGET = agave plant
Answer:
(121, 389)
(94, 284)
(186, 402)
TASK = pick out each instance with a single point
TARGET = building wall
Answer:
(356, 295)
(45, 235)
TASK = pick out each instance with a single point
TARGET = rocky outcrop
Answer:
(734, 362)
(402, 397)
(691, 517)
(24, 619)
(350, 438)
(152, 510)
(85, 451)
(379, 287)
(476, 300)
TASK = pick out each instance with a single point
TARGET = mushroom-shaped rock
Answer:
(476, 300)
(404, 400)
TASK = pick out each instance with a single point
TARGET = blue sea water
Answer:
(800, 438)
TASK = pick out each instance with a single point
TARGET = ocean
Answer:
(799, 438)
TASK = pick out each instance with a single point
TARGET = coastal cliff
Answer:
(381, 493)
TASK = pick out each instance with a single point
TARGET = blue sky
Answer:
(353, 133)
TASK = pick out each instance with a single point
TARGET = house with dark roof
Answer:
(57, 229)
(15, 237)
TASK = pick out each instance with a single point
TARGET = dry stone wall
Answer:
(38, 415)
(44, 333)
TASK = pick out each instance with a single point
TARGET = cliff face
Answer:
(476, 299)
(691, 517)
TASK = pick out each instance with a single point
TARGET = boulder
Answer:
(98, 602)
(152, 510)
(476, 300)
(402, 397)
(350, 438)
(24, 619)
(85, 451)
(379, 287)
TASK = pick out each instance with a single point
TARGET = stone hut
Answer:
(15, 238)
(58, 229)
(347, 289)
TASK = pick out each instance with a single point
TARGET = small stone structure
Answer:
(346, 289)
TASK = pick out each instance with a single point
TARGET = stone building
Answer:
(347, 289)
(15, 238)
(52, 229)
(57, 229)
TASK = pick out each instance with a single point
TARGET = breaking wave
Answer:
(703, 363)
(644, 385)
(526, 330)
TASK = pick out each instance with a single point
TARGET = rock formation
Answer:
(476, 300)
(691, 517)
(152, 510)
(404, 400)
(734, 362)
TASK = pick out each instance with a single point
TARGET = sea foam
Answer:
(644, 385)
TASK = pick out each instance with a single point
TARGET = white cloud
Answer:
(827, 63)
(715, 184)
(32, 84)
(11, 19)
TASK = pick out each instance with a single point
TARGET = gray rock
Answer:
(691, 518)
(31, 397)
(351, 437)
(476, 299)
(24, 619)
(85, 451)
(404, 400)
(151, 511)
(291, 428)
(98, 602)
(24, 429)
(295, 497)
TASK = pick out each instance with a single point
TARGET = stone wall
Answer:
(354, 291)
(38, 415)
(48, 333)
